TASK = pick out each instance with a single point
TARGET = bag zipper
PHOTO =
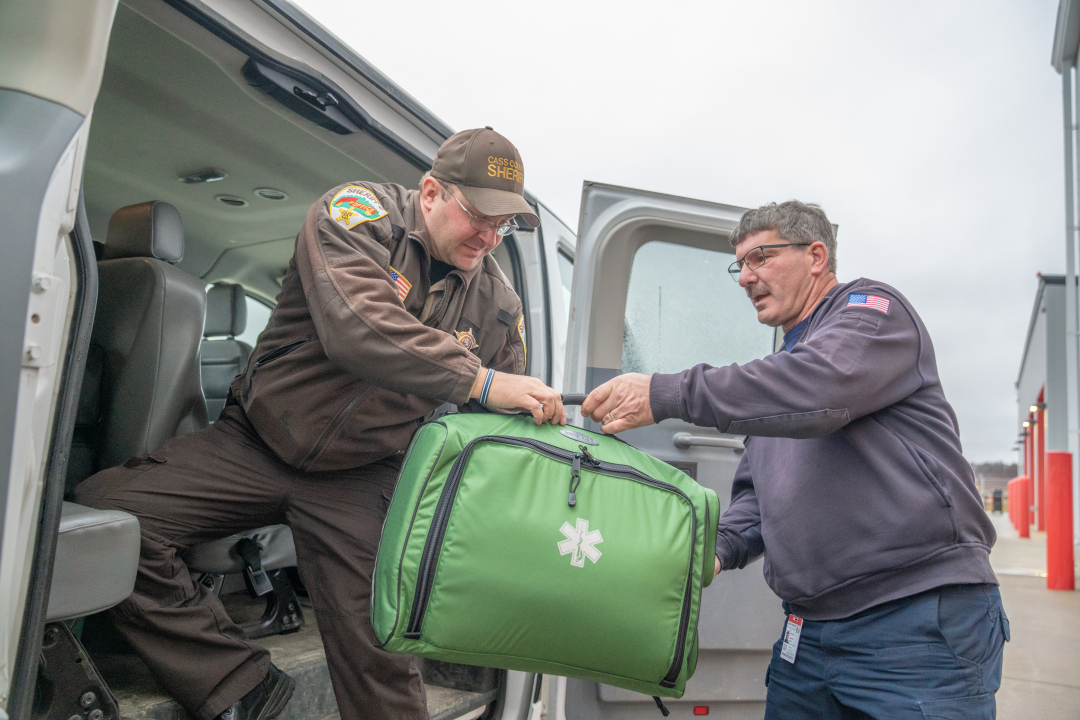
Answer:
(437, 532)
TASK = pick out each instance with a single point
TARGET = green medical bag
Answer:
(544, 549)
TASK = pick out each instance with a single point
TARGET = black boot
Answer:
(266, 701)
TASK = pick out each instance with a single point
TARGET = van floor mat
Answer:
(299, 654)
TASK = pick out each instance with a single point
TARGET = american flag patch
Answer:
(871, 301)
(403, 286)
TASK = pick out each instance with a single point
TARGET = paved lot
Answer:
(1041, 677)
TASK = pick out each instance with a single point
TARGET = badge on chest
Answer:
(467, 333)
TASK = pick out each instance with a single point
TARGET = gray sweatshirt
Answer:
(853, 483)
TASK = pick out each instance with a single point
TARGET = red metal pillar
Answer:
(1023, 505)
(1060, 570)
(1010, 492)
(1029, 471)
(1040, 469)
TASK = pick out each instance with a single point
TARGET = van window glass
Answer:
(566, 274)
(258, 314)
(683, 309)
(501, 254)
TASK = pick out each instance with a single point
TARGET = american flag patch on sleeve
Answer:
(871, 301)
(403, 286)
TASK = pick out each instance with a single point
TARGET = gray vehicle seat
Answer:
(149, 324)
(220, 557)
(138, 391)
(97, 556)
(142, 384)
(223, 357)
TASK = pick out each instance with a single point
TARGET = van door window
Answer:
(258, 315)
(683, 309)
(566, 274)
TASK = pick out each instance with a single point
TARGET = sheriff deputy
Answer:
(390, 307)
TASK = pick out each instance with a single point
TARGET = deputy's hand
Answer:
(620, 404)
(717, 569)
(522, 393)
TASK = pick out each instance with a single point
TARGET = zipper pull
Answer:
(575, 480)
(589, 457)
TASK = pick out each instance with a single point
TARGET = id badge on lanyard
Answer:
(791, 638)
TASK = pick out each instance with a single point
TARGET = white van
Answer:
(239, 114)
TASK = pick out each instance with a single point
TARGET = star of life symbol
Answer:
(581, 542)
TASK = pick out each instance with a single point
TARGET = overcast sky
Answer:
(930, 132)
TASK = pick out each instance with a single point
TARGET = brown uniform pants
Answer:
(224, 480)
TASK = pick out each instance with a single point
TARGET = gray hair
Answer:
(794, 221)
(446, 185)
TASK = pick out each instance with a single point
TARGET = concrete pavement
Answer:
(1041, 676)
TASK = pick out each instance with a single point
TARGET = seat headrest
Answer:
(150, 229)
(226, 310)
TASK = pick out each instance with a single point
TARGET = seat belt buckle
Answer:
(260, 583)
(250, 552)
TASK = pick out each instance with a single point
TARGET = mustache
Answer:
(757, 290)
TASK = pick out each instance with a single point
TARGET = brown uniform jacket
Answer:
(353, 360)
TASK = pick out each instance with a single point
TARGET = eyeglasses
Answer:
(755, 258)
(483, 224)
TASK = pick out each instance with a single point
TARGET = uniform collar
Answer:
(416, 228)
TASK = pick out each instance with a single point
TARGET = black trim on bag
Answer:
(437, 532)
(412, 522)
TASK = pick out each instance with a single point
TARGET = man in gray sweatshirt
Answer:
(852, 484)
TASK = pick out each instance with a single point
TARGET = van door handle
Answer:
(685, 440)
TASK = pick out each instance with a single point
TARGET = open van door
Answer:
(651, 293)
(52, 54)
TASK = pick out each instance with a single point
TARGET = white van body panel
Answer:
(44, 341)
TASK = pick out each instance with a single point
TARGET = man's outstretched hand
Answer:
(521, 393)
(620, 404)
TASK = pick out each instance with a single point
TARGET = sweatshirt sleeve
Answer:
(858, 360)
(738, 535)
(363, 325)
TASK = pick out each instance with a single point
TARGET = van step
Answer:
(299, 654)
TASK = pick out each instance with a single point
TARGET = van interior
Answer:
(196, 182)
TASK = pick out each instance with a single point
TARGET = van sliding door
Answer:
(652, 294)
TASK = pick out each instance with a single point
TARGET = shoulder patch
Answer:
(875, 302)
(354, 205)
(400, 284)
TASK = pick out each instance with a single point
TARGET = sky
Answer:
(930, 132)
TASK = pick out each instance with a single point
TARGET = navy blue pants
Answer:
(933, 655)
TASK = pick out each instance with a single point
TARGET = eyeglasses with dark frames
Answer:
(755, 258)
(483, 224)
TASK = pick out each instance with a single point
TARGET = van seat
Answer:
(219, 557)
(97, 557)
(223, 357)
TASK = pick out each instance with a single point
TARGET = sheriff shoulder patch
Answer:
(355, 205)
(524, 345)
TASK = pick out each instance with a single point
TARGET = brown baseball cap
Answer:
(487, 169)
